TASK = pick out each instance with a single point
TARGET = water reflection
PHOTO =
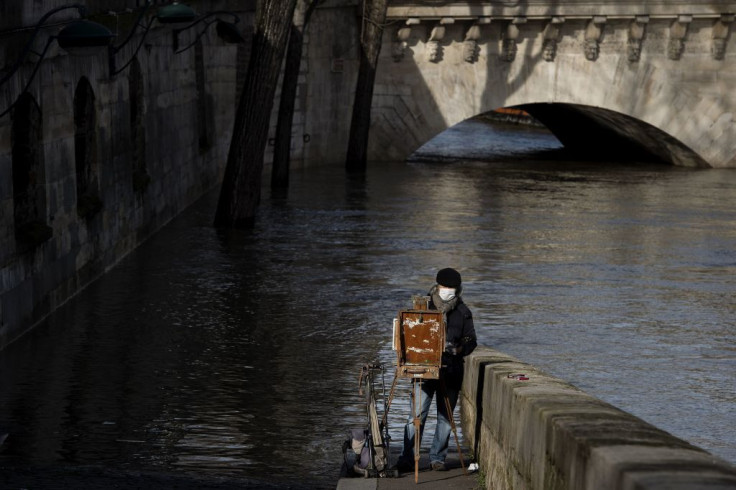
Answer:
(239, 353)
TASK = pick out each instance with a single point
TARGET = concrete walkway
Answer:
(453, 479)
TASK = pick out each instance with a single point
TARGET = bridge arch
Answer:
(676, 108)
(607, 134)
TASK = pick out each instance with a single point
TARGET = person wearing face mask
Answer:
(460, 341)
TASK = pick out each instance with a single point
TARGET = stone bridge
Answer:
(658, 75)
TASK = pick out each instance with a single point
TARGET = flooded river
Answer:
(238, 354)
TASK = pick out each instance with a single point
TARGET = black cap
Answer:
(450, 278)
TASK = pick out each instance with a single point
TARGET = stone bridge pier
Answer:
(654, 75)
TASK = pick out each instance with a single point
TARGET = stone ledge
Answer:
(545, 434)
(546, 9)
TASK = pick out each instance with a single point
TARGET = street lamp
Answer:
(77, 37)
(83, 37)
(168, 14)
(175, 13)
(227, 31)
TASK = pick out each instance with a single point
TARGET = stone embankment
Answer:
(544, 434)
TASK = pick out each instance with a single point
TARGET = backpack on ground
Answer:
(366, 451)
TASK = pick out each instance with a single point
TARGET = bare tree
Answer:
(374, 18)
(282, 146)
(241, 187)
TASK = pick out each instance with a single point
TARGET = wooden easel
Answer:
(419, 340)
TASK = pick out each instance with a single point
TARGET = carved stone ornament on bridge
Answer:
(434, 48)
(508, 50)
(398, 46)
(637, 29)
(718, 49)
(434, 51)
(591, 49)
(593, 33)
(678, 31)
(549, 49)
(470, 50)
(511, 34)
(720, 36)
(470, 45)
(551, 34)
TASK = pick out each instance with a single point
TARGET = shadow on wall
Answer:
(401, 114)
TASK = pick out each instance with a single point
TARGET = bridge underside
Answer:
(655, 84)
(608, 135)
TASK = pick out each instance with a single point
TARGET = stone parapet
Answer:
(546, 8)
(541, 433)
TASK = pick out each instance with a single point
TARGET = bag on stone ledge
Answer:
(357, 453)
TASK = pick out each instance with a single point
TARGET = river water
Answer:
(238, 353)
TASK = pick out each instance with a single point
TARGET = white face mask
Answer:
(446, 294)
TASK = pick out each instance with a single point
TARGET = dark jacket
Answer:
(460, 333)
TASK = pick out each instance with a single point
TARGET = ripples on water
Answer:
(239, 353)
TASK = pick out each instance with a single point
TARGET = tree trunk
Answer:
(241, 186)
(374, 18)
(282, 147)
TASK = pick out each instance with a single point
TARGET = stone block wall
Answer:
(160, 139)
(544, 434)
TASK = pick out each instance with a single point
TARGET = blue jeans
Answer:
(429, 388)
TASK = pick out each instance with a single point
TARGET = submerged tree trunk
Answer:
(282, 147)
(241, 187)
(374, 18)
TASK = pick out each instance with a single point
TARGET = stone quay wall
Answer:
(544, 434)
(93, 163)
